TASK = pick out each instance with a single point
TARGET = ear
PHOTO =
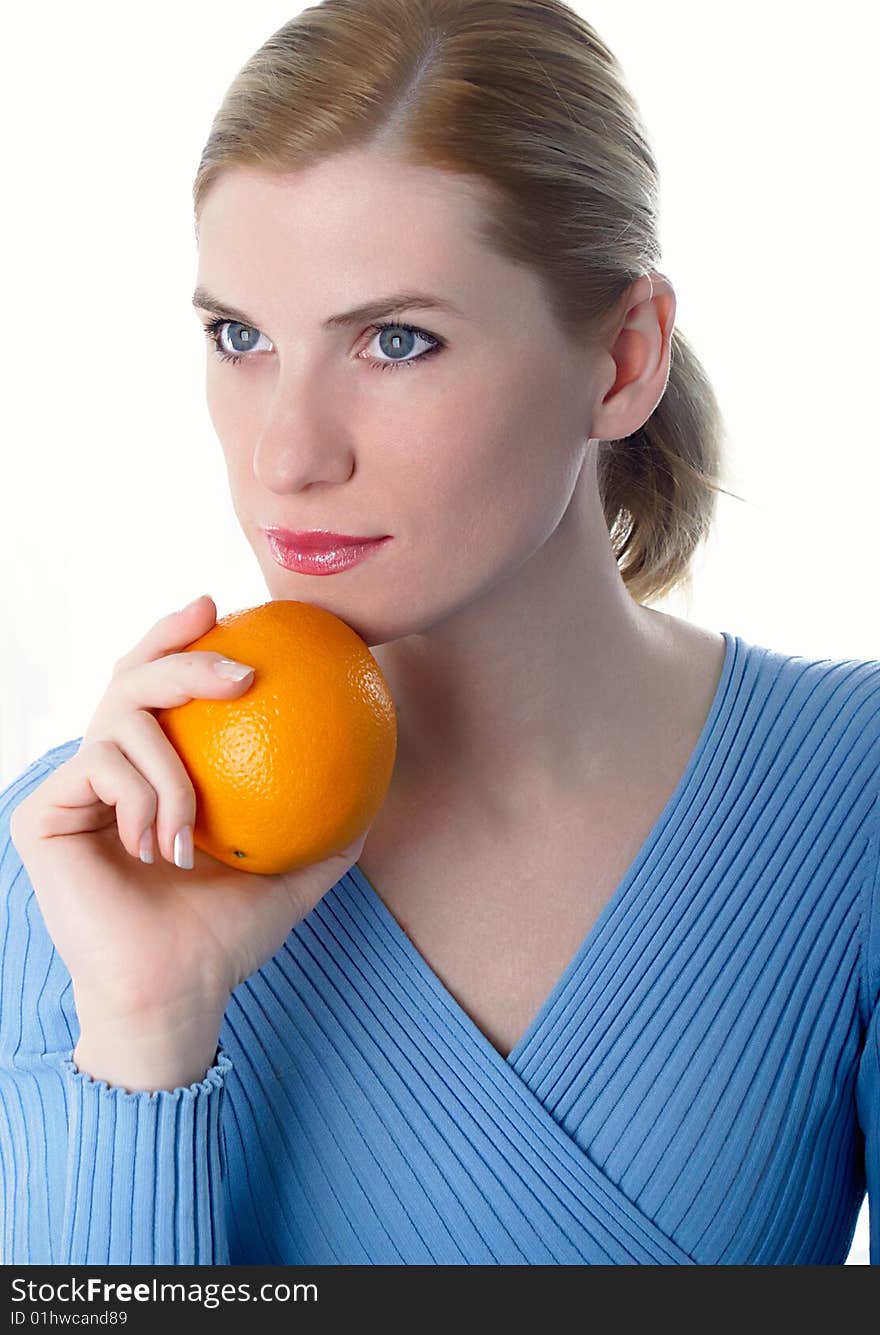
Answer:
(638, 359)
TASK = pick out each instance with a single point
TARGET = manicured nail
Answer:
(183, 848)
(146, 845)
(227, 667)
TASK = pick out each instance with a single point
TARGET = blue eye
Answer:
(213, 331)
(394, 362)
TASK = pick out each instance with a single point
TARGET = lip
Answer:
(319, 539)
(318, 552)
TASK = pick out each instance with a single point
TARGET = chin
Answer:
(373, 628)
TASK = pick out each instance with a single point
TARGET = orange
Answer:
(296, 768)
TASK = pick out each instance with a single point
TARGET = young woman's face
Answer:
(467, 454)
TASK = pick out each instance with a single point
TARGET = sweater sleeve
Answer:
(868, 1078)
(91, 1172)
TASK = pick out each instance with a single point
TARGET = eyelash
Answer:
(212, 331)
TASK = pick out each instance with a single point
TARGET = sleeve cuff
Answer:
(144, 1174)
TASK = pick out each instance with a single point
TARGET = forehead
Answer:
(347, 209)
(347, 229)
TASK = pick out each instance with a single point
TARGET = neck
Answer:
(545, 681)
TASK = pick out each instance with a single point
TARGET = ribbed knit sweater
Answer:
(701, 1086)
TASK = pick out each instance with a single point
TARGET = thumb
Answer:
(353, 850)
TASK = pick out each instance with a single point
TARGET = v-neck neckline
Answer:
(422, 967)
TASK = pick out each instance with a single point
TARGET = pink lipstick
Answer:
(318, 551)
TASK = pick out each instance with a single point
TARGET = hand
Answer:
(140, 940)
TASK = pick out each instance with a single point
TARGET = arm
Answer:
(868, 1078)
(93, 1171)
(868, 1102)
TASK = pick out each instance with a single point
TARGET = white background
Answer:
(116, 508)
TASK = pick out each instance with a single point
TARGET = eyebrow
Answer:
(370, 310)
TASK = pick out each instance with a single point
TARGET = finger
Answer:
(120, 784)
(143, 742)
(171, 633)
(163, 683)
(173, 680)
(77, 795)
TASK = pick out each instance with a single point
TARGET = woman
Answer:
(600, 983)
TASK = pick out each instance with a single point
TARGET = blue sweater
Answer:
(702, 1086)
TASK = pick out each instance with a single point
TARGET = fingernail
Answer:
(183, 848)
(146, 845)
(227, 667)
(193, 603)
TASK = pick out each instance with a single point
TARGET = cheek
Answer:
(509, 454)
(232, 418)
(496, 481)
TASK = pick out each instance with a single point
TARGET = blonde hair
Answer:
(525, 95)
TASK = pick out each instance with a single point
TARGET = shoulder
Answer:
(823, 704)
(808, 728)
(820, 720)
(830, 708)
(36, 1003)
(808, 734)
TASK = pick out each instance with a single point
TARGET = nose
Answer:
(304, 439)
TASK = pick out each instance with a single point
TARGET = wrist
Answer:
(153, 1016)
(137, 1072)
(138, 1050)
